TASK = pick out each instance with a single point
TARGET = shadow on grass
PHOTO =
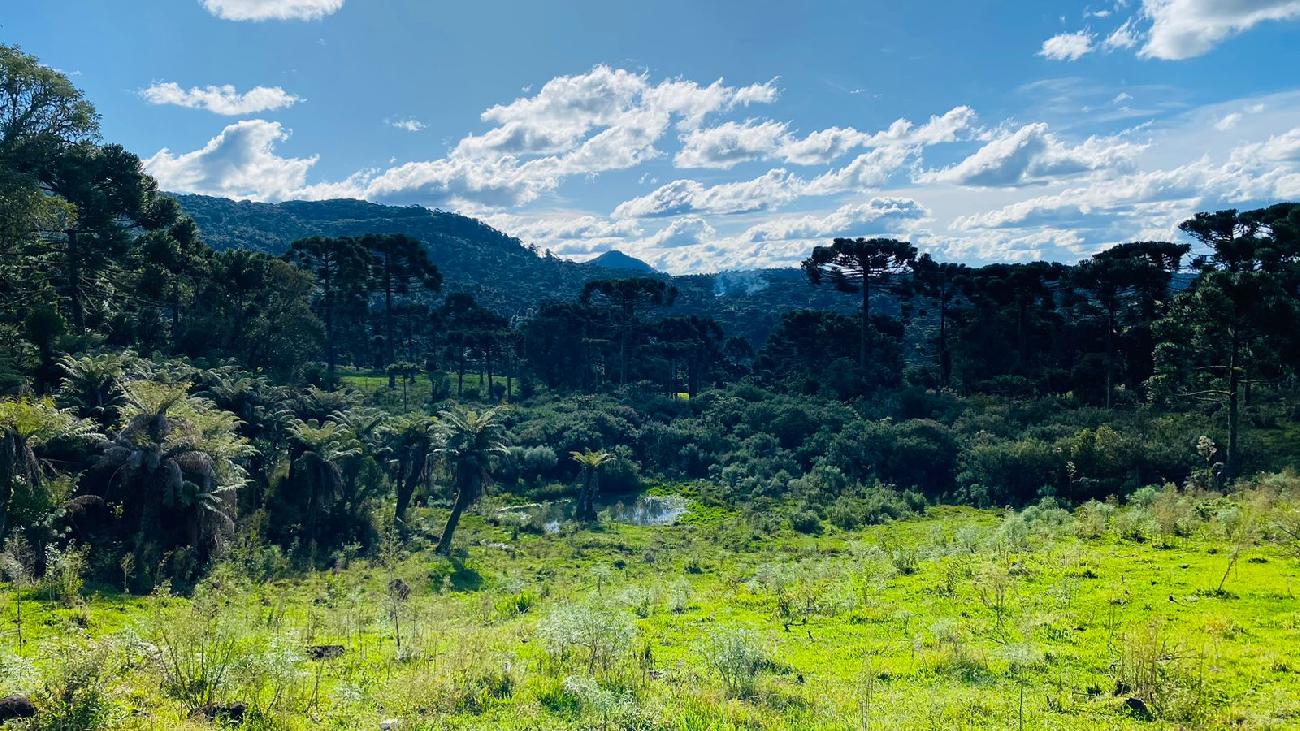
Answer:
(453, 573)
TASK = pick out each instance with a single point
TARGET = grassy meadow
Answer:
(1176, 610)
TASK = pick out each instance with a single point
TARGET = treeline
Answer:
(166, 402)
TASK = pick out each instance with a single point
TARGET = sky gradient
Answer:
(708, 136)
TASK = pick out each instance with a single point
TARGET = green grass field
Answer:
(960, 619)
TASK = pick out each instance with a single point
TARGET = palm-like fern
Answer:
(590, 461)
(471, 442)
(315, 473)
(26, 426)
(414, 438)
(92, 384)
(175, 467)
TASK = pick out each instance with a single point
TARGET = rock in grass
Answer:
(324, 652)
(390, 724)
(16, 706)
(232, 713)
(1138, 709)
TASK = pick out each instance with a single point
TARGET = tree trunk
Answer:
(74, 282)
(406, 489)
(11, 452)
(464, 497)
(388, 316)
(586, 511)
(331, 354)
(864, 349)
(1234, 386)
(1110, 354)
(945, 358)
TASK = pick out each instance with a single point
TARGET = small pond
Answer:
(645, 510)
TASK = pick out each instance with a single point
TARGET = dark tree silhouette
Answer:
(856, 265)
(625, 298)
(400, 265)
(342, 270)
(1239, 318)
(942, 283)
(1128, 281)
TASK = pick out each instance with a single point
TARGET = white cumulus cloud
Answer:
(223, 99)
(272, 9)
(1182, 29)
(238, 163)
(1032, 154)
(1067, 46)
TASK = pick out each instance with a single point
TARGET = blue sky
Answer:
(709, 135)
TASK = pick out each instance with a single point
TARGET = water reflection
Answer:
(548, 517)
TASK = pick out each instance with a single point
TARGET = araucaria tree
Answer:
(1128, 282)
(624, 298)
(342, 270)
(1237, 324)
(859, 266)
(472, 441)
(942, 283)
(400, 265)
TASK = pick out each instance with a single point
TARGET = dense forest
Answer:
(190, 383)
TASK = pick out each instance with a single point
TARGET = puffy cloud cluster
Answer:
(731, 143)
(238, 163)
(1173, 30)
(1183, 29)
(1067, 46)
(1032, 154)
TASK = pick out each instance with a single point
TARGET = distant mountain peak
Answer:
(615, 259)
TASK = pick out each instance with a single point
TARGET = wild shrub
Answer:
(268, 675)
(954, 653)
(1165, 676)
(679, 596)
(807, 522)
(872, 506)
(1134, 523)
(1092, 519)
(18, 674)
(198, 648)
(737, 656)
(1009, 472)
(594, 633)
(1174, 514)
(642, 600)
(614, 708)
(64, 573)
(76, 695)
(906, 559)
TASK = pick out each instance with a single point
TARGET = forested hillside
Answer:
(339, 464)
(500, 271)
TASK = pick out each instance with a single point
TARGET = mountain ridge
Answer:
(501, 271)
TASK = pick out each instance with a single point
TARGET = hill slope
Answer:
(501, 271)
(615, 259)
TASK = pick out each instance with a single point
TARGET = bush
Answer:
(738, 657)
(596, 633)
(75, 697)
(872, 506)
(806, 521)
(1011, 472)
